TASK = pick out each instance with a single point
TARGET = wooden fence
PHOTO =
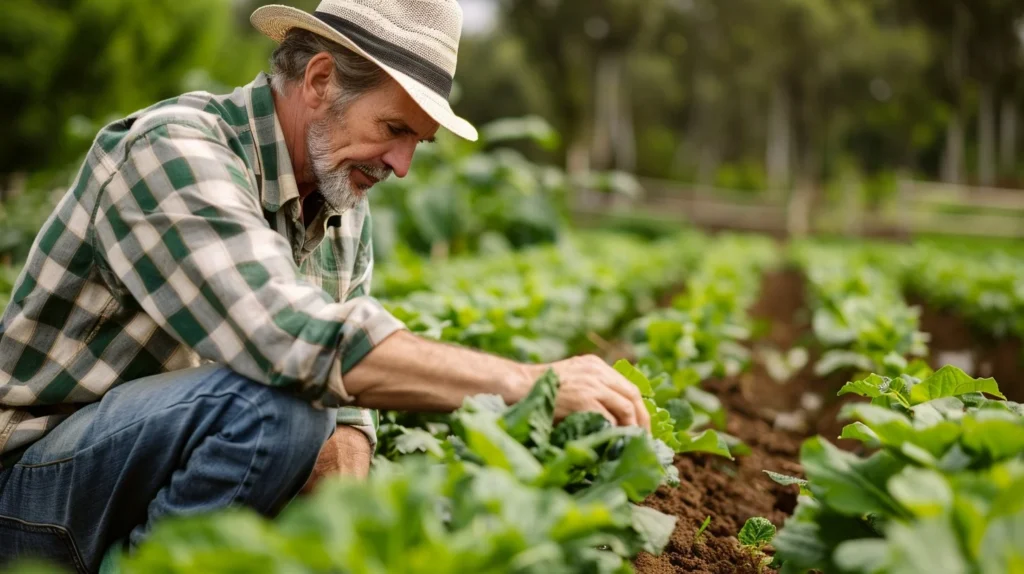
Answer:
(917, 208)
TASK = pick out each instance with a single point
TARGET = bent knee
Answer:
(292, 428)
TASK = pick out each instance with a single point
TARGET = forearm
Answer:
(409, 373)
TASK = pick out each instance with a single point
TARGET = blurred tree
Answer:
(581, 50)
(978, 48)
(68, 65)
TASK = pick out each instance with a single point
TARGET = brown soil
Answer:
(1002, 359)
(733, 491)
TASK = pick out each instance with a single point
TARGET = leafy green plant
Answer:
(757, 532)
(538, 304)
(676, 424)
(939, 492)
(984, 285)
(490, 488)
(461, 195)
(698, 538)
(700, 337)
(411, 518)
(859, 314)
(581, 453)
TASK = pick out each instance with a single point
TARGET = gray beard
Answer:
(333, 181)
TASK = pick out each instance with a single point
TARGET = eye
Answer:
(395, 131)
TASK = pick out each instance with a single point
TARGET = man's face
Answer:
(376, 135)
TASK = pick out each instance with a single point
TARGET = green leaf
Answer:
(666, 456)
(894, 429)
(862, 555)
(997, 438)
(634, 376)
(949, 381)
(531, 127)
(708, 403)
(418, 440)
(708, 441)
(662, 336)
(682, 413)
(922, 491)
(837, 359)
(851, 485)
(654, 527)
(809, 537)
(484, 404)
(925, 546)
(1002, 548)
(736, 446)
(637, 471)
(757, 531)
(532, 418)
(703, 526)
(829, 328)
(875, 386)
(860, 431)
(488, 441)
(785, 480)
(578, 425)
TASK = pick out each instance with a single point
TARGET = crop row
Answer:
(859, 315)
(940, 491)
(937, 485)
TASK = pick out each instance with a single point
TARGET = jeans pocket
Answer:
(20, 540)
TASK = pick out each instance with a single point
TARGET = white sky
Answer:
(478, 16)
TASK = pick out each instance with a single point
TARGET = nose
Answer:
(399, 157)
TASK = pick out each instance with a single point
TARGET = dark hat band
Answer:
(392, 55)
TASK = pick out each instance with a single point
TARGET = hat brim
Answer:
(275, 20)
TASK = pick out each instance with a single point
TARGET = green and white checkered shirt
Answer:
(180, 242)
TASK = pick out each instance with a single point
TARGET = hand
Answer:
(590, 384)
(346, 453)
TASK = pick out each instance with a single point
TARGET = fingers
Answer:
(625, 389)
(604, 390)
(623, 410)
(600, 409)
(629, 392)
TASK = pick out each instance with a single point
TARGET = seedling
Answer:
(699, 538)
(756, 533)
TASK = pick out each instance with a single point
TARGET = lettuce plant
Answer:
(940, 490)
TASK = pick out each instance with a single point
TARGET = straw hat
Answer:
(415, 41)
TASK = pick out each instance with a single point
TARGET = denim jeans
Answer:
(180, 443)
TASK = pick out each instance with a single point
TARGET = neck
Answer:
(293, 125)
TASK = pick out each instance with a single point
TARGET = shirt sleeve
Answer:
(366, 421)
(180, 226)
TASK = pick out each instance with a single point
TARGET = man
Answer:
(193, 329)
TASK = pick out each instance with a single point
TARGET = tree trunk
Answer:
(986, 137)
(1008, 139)
(577, 156)
(953, 158)
(606, 107)
(624, 141)
(778, 144)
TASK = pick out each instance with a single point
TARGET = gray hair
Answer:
(354, 75)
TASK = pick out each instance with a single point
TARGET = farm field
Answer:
(754, 358)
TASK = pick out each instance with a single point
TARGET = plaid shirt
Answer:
(181, 241)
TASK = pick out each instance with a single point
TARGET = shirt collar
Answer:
(276, 175)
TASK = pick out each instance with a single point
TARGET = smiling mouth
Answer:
(371, 179)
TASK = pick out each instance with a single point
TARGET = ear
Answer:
(316, 84)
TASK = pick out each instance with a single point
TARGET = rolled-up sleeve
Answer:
(180, 227)
(365, 420)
